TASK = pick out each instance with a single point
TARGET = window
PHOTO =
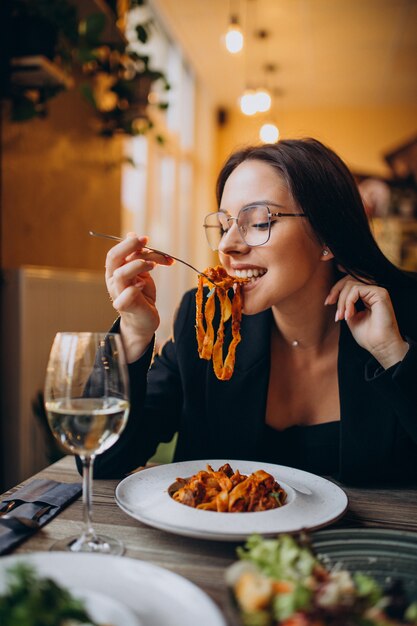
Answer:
(159, 194)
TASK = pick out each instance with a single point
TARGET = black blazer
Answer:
(219, 419)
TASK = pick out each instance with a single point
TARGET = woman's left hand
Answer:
(374, 328)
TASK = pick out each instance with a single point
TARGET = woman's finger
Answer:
(128, 274)
(148, 255)
(353, 295)
(335, 290)
(369, 295)
(127, 297)
(341, 300)
(117, 255)
(348, 296)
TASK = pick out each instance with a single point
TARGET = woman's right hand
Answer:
(133, 293)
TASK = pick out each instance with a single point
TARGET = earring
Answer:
(325, 252)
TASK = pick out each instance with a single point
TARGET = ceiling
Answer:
(327, 52)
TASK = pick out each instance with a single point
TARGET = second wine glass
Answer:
(87, 404)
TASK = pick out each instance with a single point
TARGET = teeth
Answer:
(251, 273)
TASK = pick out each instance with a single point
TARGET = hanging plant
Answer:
(117, 81)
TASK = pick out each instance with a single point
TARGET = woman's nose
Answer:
(232, 240)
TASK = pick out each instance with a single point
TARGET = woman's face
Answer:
(289, 265)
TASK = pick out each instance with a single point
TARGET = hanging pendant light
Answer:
(269, 133)
(248, 103)
(263, 100)
(255, 101)
(234, 37)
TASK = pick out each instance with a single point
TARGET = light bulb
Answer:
(263, 100)
(248, 104)
(269, 133)
(234, 37)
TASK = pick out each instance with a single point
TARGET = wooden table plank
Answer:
(202, 562)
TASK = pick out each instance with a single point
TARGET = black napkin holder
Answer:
(29, 499)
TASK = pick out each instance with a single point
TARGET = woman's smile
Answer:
(250, 273)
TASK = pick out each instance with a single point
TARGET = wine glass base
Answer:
(100, 544)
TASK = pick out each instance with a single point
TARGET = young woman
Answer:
(326, 372)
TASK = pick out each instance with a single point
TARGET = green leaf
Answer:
(155, 74)
(92, 27)
(286, 604)
(367, 587)
(130, 161)
(88, 94)
(35, 601)
(260, 618)
(280, 558)
(411, 613)
(23, 109)
(85, 54)
(276, 496)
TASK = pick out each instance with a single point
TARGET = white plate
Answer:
(105, 610)
(144, 496)
(156, 596)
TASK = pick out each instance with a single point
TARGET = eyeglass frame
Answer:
(249, 206)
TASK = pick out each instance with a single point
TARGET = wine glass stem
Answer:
(87, 462)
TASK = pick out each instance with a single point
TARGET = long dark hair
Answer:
(324, 188)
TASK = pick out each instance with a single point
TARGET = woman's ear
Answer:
(326, 254)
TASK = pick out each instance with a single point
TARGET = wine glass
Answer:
(87, 404)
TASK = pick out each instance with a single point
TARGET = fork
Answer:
(30, 522)
(165, 254)
(9, 506)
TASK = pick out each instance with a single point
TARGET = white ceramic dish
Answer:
(105, 610)
(155, 596)
(144, 496)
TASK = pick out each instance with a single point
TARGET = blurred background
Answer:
(117, 116)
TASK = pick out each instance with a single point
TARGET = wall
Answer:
(36, 304)
(360, 135)
(59, 179)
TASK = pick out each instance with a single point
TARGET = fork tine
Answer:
(30, 522)
(9, 506)
(41, 512)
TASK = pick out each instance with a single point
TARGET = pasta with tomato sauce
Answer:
(228, 491)
(208, 347)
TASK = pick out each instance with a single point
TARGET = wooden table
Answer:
(202, 562)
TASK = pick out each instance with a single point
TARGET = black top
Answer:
(218, 419)
(310, 448)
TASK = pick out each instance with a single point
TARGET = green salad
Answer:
(282, 582)
(30, 600)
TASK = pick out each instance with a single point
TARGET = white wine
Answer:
(87, 426)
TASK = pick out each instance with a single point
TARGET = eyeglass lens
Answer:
(253, 223)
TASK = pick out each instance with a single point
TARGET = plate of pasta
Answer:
(228, 500)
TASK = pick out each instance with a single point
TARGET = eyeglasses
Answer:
(253, 222)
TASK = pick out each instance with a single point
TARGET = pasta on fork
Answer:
(208, 347)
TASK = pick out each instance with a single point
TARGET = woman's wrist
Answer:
(135, 344)
(391, 353)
